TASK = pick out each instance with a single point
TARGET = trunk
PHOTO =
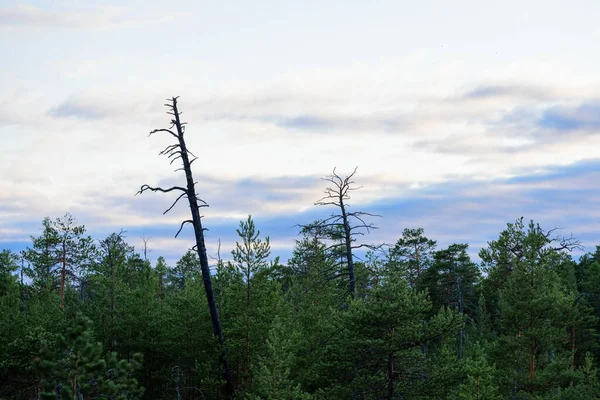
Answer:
(160, 287)
(36, 390)
(417, 262)
(391, 372)
(201, 248)
(531, 343)
(531, 363)
(461, 311)
(572, 352)
(112, 306)
(246, 380)
(74, 381)
(348, 242)
(63, 275)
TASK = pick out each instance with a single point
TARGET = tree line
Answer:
(423, 322)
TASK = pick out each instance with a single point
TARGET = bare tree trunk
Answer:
(343, 225)
(348, 243)
(174, 152)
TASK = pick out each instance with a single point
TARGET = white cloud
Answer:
(277, 96)
(101, 17)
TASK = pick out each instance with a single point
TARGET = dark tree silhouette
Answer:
(342, 227)
(179, 151)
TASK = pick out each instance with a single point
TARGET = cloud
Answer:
(507, 90)
(71, 108)
(305, 122)
(96, 17)
(585, 117)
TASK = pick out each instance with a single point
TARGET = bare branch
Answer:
(175, 202)
(204, 204)
(159, 189)
(550, 232)
(164, 130)
(569, 244)
(187, 221)
(328, 203)
(564, 243)
(173, 160)
(192, 154)
(169, 149)
(356, 213)
(369, 246)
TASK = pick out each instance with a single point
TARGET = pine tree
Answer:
(13, 326)
(376, 350)
(161, 269)
(74, 368)
(481, 377)
(42, 258)
(536, 310)
(314, 296)
(184, 270)
(107, 280)
(60, 255)
(414, 254)
(273, 380)
(452, 282)
(249, 302)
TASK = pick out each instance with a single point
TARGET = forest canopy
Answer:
(94, 316)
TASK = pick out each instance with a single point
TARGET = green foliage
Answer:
(185, 270)
(252, 254)
(42, 258)
(536, 310)
(60, 255)
(273, 380)
(413, 255)
(424, 324)
(378, 345)
(481, 377)
(452, 279)
(74, 367)
(249, 300)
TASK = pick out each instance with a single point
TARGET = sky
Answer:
(461, 116)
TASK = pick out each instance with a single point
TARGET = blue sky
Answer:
(462, 116)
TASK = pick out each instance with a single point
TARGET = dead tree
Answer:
(179, 151)
(344, 226)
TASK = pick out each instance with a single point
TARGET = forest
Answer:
(94, 318)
